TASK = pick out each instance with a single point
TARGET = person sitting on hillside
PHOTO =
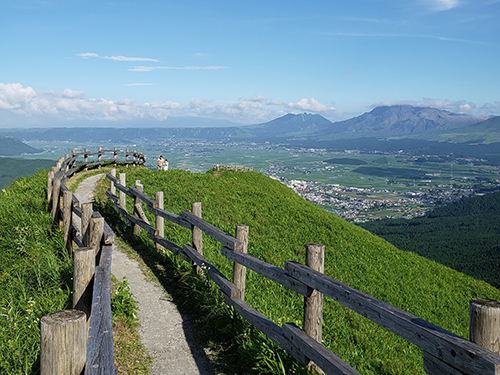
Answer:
(160, 162)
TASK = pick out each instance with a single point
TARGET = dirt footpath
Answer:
(166, 334)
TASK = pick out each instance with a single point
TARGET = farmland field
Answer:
(357, 186)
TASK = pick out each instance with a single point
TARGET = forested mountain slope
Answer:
(464, 236)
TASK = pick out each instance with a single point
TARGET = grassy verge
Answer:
(35, 272)
(131, 357)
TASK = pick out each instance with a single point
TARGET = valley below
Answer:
(358, 185)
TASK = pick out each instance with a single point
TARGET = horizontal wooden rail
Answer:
(448, 347)
(214, 232)
(100, 354)
(267, 270)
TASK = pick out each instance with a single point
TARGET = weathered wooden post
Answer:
(99, 157)
(83, 274)
(160, 222)
(96, 233)
(113, 187)
(85, 158)
(87, 211)
(313, 305)
(67, 219)
(66, 157)
(115, 154)
(239, 271)
(137, 203)
(197, 235)
(56, 202)
(50, 179)
(122, 194)
(63, 342)
(484, 323)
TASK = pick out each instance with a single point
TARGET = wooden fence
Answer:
(233, 167)
(444, 352)
(81, 340)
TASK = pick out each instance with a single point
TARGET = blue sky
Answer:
(122, 63)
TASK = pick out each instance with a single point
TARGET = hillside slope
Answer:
(487, 131)
(464, 236)
(11, 169)
(10, 146)
(35, 272)
(281, 223)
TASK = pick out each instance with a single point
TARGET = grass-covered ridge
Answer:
(35, 272)
(281, 223)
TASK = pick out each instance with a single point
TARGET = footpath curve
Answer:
(166, 334)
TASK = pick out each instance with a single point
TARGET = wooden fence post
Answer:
(160, 222)
(122, 194)
(85, 159)
(50, 179)
(96, 229)
(67, 219)
(87, 211)
(137, 202)
(313, 305)
(99, 157)
(484, 323)
(63, 342)
(83, 274)
(56, 202)
(113, 187)
(197, 235)
(239, 271)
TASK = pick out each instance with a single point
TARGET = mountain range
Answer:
(387, 121)
(399, 121)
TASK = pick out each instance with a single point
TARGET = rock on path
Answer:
(166, 335)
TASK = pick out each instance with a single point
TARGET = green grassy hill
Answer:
(10, 169)
(10, 146)
(281, 223)
(464, 236)
(35, 272)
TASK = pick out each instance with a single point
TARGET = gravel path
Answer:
(166, 334)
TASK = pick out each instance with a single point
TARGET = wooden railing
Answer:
(233, 167)
(82, 338)
(444, 352)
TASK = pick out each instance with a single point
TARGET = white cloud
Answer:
(123, 58)
(14, 95)
(25, 105)
(68, 93)
(312, 104)
(88, 55)
(151, 68)
(457, 106)
(441, 5)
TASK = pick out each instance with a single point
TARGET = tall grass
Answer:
(35, 272)
(281, 223)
